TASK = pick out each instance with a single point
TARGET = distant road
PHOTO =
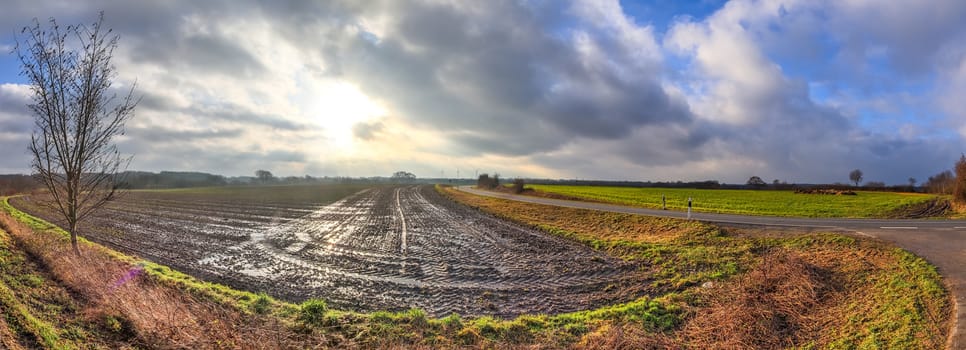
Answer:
(941, 242)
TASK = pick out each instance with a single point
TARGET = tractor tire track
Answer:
(385, 248)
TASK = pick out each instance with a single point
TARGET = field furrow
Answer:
(384, 248)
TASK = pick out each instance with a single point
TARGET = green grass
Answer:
(747, 202)
(897, 317)
(13, 309)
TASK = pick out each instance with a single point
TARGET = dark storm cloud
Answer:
(502, 77)
(500, 74)
(199, 54)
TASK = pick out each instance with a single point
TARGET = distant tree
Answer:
(76, 115)
(856, 177)
(756, 181)
(403, 176)
(959, 192)
(488, 182)
(264, 176)
(942, 183)
(912, 182)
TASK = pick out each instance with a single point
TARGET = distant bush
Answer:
(518, 186)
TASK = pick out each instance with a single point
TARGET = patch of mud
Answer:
(936, 207)
(388, 248)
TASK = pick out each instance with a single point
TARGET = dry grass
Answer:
(626, 336)
(130, 303)
(778, 304)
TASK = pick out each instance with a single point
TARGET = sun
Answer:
(337, 107)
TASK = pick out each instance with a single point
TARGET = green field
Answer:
(748, 202)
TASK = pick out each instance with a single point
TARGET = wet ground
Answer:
(385, 248)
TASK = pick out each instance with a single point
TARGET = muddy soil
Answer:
(931, 209)
(385, 248)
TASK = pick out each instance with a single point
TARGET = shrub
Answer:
(312, 312)
(261, 303)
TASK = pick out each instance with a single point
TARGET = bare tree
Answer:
(941, 183)
(959, 191)
(77, 116)
(856, 176)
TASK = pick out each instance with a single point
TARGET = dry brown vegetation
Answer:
(789, 289)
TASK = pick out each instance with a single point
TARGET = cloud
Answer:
(796, 90)
(14, 115)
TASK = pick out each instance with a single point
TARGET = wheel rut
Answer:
(385, 248)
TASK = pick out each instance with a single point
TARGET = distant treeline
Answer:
(176, 179)
(13, 184)
(714, 184)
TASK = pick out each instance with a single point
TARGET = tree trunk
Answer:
(73, 239)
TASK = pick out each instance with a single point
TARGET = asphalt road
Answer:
(941, 242)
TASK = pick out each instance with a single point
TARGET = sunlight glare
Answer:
(338, 107)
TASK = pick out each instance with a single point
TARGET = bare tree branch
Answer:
(77, 115)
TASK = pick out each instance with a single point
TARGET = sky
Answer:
(802, 91)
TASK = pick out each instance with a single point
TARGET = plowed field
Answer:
(384, 248)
